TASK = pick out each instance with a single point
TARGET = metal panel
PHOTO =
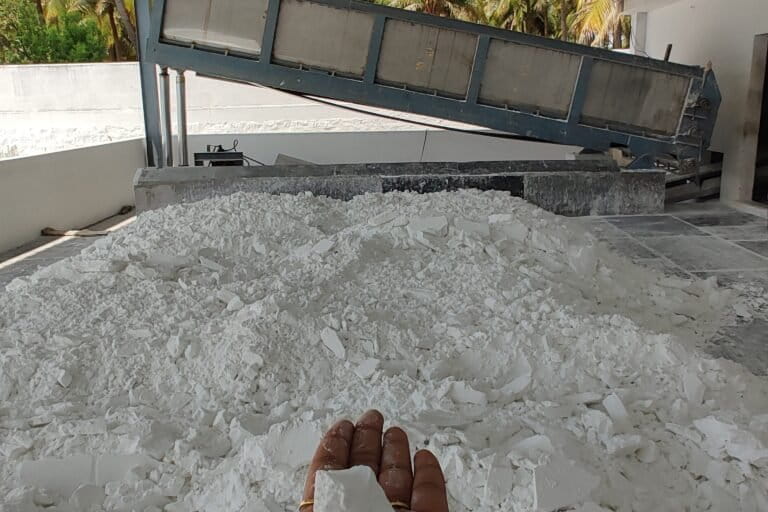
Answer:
(631, 97)
(337, 36)
(529, 78)
(322, 37)
(427, 58)
(230, 24)
(149, 89)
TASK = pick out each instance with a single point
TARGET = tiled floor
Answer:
(703, 240)
(44, 251)
(691, 240)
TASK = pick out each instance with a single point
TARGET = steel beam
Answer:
(148, 80)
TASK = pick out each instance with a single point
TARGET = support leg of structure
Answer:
(181, 119)
(165, 118)
(149, 92)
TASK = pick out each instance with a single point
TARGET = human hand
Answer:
(346, 445)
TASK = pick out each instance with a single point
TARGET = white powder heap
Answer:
(193, 360)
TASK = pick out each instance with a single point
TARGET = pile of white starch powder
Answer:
(192, 361)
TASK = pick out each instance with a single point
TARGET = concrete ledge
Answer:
(564, 187)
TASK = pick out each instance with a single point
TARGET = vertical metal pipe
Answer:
(181, 117)
(668, 53)
(165, 117)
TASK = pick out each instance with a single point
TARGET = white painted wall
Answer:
(722, 32)
(65, 190)
(392, 146)
(84, 104)
(47, 108)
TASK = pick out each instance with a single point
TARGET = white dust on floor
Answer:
(192, 361)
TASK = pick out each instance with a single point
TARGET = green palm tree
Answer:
(54, 9)
(486, 12)
(106, 13)
(595, 22)
(530, 16)
(127, 11)
(40, 8)
(599, 21)
(99, 11)
(445, 8)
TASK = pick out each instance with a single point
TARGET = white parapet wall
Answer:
(46, 108)
(65, 190)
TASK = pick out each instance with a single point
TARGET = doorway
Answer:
(760, 191)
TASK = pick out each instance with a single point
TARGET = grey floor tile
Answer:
(754, 231)
(760, 247)
(745, 345)
(602, 229)
(731, 278)
(654, 225)
(664, 266)
(7, 255)
(4, 280)
(24, 267)
(752, 339)
(630, 248)
(718, 218)
(56, 253)
(698, 207)
(701, 253)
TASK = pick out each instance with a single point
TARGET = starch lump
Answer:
(351, 490)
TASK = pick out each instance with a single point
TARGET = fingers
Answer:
(332, 453)
(395, 475)
(366, 442)
(429, 494)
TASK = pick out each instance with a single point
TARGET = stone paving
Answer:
(703, 240)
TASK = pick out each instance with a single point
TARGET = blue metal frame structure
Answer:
(149, 89)
(686, 146)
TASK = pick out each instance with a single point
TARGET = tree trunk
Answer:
(115, 34)
(564, 20)
(128, 28)
(618, 35)
(40, 10)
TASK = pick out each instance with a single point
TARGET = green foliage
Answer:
(595, 22)
(22, 32)
(74, 39)
(25, 37)
(40, 31)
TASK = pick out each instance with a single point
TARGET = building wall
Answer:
(722, 32)
(65, 190)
